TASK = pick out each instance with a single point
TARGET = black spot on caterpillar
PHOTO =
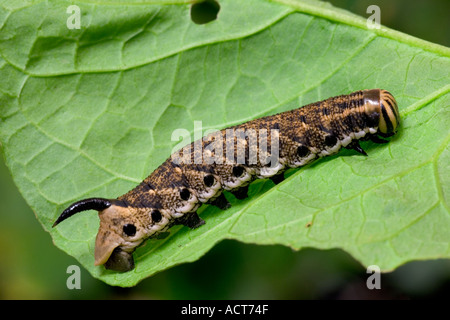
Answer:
(175, 190)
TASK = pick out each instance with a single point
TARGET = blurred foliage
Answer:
(425, 19)
(32, 268)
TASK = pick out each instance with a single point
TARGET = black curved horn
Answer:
(82, 205)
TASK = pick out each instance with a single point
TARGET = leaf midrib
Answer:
(341, 16)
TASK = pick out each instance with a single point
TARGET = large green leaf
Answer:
(90, 112)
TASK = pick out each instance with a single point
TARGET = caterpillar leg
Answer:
(355, 146)
(377, 139)
(191, 220)
(221, 202)
(241, 193)
(278, 178)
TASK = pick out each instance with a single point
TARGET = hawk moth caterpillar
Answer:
(172, 193)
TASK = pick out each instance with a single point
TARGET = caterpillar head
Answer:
(381, 106)
(120, 232)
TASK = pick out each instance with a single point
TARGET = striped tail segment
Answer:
(389, 117)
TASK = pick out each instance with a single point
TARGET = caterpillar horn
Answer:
(98, 204)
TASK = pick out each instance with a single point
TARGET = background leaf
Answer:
(90, 112)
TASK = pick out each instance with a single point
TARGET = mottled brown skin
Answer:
(174, 191)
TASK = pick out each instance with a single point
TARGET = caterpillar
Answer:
(172, 193)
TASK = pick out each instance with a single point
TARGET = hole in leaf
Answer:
(205, 11)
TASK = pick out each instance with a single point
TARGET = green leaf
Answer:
(90, 112)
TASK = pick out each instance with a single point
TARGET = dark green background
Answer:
(31, 267)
